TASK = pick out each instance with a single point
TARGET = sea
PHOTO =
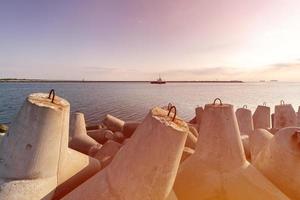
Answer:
(132, 101)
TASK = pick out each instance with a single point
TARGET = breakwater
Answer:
(220, 153)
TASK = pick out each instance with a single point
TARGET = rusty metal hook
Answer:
(245, 106)
(53, 95)
(282, 102)
(169, 105)
(175, 112)
(218, 99)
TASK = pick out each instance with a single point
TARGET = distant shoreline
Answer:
(77, 81)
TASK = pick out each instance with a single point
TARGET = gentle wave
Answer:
(132, 101)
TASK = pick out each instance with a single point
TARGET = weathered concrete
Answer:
(94, 127)
(244, 119)
(193, 129)
(148, 163)
(279, 161)
(79, 140)
(129, 128)
(193, 121)
(272, 120)
(28, 189)
(126, 141)
(187, 152)
(37, 128)
(34, 154)
(246, 146)
(191, 140)
(199, 114)
(258, 139)
(172, 196)
(102, 135)
(75, 168)
(30, 152)
(284, 116)
(262, 117)
(107, 152)
(298, 117)
(118, 137)
(272, 130)
(218, 168)
(113, 123)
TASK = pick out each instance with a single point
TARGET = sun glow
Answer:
(270, 47)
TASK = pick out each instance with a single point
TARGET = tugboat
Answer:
(158, 81)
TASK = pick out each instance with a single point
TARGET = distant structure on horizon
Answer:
(158, 81)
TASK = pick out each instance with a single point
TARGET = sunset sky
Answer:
(246, 40)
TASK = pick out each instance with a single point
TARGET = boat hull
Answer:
(156, 82)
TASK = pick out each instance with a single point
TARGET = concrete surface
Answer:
(145, 167)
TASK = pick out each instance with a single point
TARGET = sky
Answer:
(247, 40)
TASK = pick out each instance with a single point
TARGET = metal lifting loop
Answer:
(172, 107)
(245, 106)
(217, 99)
(264, 104)
(282, 102)
(53, 95)
(169, 106)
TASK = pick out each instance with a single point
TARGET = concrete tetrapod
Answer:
(244, 119)
(257, 140)
(145, 167)
(129, 128)
(279, 161)
(284, 116)
(171, 196)
(31, 153)
(107, 152)
(298, 117)
(199, 114)
(113, 123)
(187, 152)
(262, 117)
(118, 137)
(191, 140)
(101, 135)
(79, 140)
(73, 168)
(246, 146)
(218, 168)
(193, 129)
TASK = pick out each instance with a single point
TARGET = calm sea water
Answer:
(131, 101)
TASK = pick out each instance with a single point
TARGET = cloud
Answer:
(285, 66)
(211, 73)
(98, 69)
(285, 71)
(112, 73)
(110, 70)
